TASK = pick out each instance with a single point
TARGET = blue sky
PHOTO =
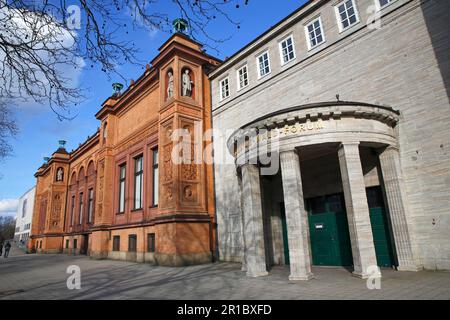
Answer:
(40, 129)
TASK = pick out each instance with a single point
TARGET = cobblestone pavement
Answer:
(44, 277)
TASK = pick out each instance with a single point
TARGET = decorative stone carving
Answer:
(60, 174)
(170, 85)
(167, 163)
(187, 192)
(187, 83)
(169, 192)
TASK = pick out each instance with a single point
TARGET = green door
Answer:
(285, 235)
(380, 228)
(330, 240)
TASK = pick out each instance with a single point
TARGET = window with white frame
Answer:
(138, 182)
(314, 33)
(384, 3)
(242, 76)
(263, 64)
(287, 50)
(347, 14)
(224, 88)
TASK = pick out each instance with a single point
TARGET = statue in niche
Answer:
(187, 84)
(59, 174)
(170, 85)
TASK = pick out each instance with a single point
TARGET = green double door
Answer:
(330, 240)
(380, 228)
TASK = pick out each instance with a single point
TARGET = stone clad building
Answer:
(351, 98)
(119, 195)
(24, 217)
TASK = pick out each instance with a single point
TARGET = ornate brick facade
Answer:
(175, 228)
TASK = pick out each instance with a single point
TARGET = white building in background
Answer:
(24, 217)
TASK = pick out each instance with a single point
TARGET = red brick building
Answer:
(119, 195)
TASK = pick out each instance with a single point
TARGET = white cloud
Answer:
(8, 207)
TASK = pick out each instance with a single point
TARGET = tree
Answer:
(7, 228)
(43, 41)
(40, 39)
(8, 129)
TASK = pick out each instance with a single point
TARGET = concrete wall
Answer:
(403, 65)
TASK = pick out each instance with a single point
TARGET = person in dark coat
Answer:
(7, 248)
(1, 248)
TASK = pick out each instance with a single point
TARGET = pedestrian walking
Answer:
(7, 248)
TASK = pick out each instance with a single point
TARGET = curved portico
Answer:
(279, 142)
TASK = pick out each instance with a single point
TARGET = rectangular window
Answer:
(287, 50)
(72, 211)
(132, 239)
(122, 176)
(384, 3)
(224, 89)
(263, 64)
(75, 243)
(347, 14)
(138, 179)
(67, 244)
(155, 176)
(81, 209)
(314, 33)
(24, 208)
(90, 205)
(116, 243)
(151, 242)
(242, 76)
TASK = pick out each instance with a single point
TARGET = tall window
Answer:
(347, 14)
(24, 208)
(132, 239)
(116, 243)
(72, 211)
(263, 64)
(287, 50)
(242, 76)
(122, 176)
(90, 205)
(81, 208)
(314, 33)
(138, 175)
(151, 242)
(224, 88)
(155, 176)
(67, 244)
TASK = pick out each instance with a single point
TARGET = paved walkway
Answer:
(44, 277)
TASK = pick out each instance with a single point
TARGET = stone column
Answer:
(253, 222)
(243, 246)
(360, 229)
(296, 217)
(393, 185)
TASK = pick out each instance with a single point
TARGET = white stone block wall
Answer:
(404, 65)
